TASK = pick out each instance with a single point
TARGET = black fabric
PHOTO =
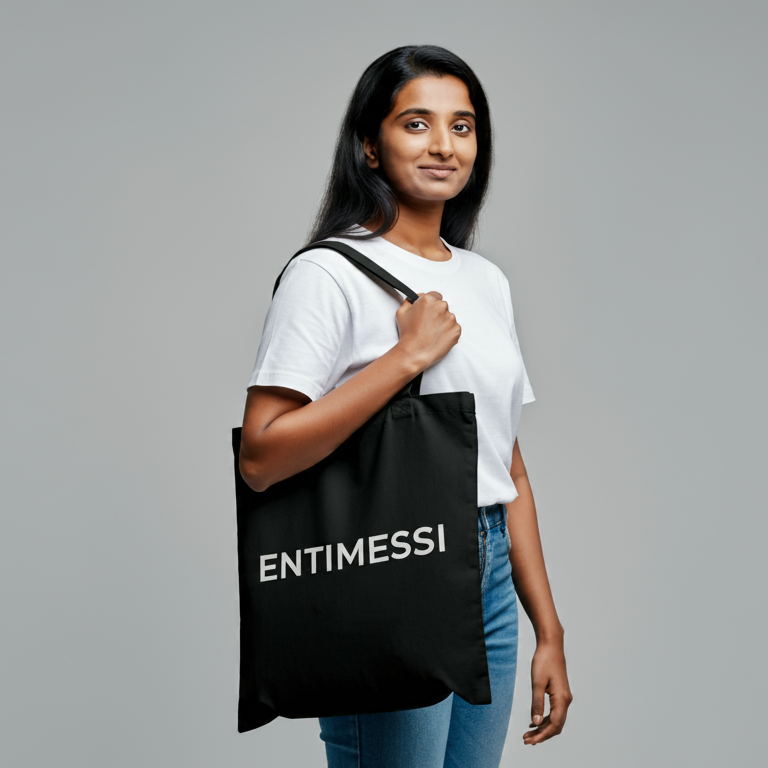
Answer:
(371, 636)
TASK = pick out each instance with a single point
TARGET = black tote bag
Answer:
(359, 577)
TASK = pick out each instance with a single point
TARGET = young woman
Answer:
(409, 177)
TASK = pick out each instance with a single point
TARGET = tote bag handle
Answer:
(413, 387)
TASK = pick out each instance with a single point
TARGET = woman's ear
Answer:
(371, 155)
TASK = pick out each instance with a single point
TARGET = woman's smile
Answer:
(436, 172)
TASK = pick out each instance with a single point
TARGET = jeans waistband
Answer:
(492, 516)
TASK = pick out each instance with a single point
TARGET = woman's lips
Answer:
(438, 173)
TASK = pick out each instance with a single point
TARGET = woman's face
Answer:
(428, 142)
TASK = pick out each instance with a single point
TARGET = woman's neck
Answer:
(417, 232)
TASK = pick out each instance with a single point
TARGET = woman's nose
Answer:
(442, 143)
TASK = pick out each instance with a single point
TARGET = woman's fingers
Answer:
(552, 723)
(537, 734)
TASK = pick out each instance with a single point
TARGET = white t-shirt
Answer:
(329, 319)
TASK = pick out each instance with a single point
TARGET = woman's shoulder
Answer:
(322, 258)
(338, 266)
(478, 263)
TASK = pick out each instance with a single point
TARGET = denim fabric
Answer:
(453, 733)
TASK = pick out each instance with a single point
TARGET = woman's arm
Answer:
(284, 432)
(529, 575)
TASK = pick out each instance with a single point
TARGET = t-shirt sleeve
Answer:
(307, 338)
(528, 396)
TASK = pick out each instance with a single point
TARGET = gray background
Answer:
(160, 163)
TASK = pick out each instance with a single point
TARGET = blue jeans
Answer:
(452, 733)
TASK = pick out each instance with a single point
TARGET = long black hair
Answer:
(357, 194)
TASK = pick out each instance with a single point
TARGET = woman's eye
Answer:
(465, 128)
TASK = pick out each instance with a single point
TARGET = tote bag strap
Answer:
(413, 387)
(358, 258)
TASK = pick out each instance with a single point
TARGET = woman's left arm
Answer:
(529, 575)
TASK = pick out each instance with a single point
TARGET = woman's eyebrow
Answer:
(424, 111)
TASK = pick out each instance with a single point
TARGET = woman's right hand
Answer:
(428, 331)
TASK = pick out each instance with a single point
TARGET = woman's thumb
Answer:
(537, 704)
